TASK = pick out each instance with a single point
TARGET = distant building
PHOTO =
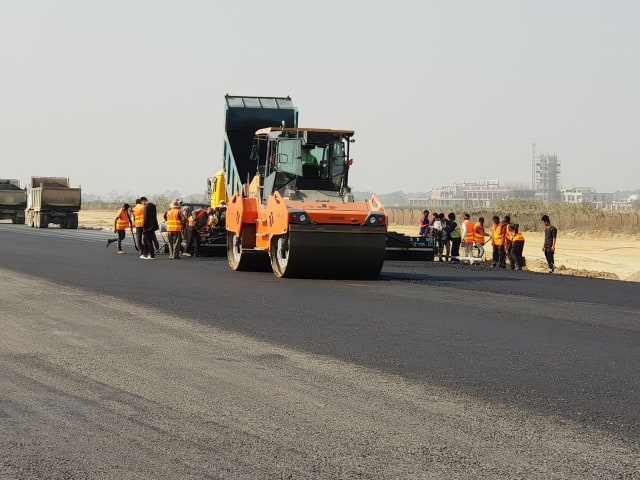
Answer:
(547, 177)
(483, 194)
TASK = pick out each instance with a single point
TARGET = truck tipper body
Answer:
(52, 200)
(13, 200)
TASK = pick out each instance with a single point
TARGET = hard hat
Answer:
(222, 203)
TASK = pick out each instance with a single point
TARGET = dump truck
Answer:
(13, 200)
(291, 208)
(52, 200)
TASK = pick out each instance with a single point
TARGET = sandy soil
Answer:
(616, 257)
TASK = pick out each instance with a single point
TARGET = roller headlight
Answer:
(376, 219)
(299, 217)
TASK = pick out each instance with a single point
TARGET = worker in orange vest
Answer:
(196, 222)
(507, 234)
(175, 224)
(468, 235)
(138, 220)
(478, 236)
(497, 242)
(517, 246)
(121, 223)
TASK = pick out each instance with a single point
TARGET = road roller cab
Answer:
(297, 214)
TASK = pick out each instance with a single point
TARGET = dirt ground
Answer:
(616, 257)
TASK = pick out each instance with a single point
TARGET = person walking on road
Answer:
(549, 247)
(121, 224)
(175, 225)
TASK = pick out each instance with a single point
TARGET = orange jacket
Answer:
(497, 236)
(478, 233)
(468, 236)
(122, 223)
(138, 215)
(174, 220)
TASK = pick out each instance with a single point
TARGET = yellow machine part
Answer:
(217, 189)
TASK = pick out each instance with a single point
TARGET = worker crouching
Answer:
(196, 222)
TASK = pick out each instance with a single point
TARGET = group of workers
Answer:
(506, 239)
(143, 217)
(181, 223)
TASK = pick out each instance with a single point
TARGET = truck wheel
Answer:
(73, 221)
(20, 220)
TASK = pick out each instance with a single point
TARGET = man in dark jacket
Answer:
(149, 229)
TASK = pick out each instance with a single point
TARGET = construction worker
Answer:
(506, 235)
(456, 236)
(468, 236)
(549, 247)
(479, 233)
(219, 217)
(175, 224)
(517, 246)
(149, 228)
(195, 222)
(121, 223)
(138, 220)
(497, 242)
(307, 157)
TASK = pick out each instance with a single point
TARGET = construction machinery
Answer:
(52, 200)
(295, 211)
(13, 200)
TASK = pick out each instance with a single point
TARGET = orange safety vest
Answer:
(517, 237)
(174, 222)
(497, 235)
(123, 220)
(138, 215)
(468, 236)
(478, 233)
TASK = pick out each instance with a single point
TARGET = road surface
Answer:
(117, 367)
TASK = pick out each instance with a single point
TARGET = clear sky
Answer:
(127, 96)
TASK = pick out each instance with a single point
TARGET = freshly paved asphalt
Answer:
(553, 345)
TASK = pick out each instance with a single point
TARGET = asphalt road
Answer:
(117, 367)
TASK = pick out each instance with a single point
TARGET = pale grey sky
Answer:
(127, 95)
